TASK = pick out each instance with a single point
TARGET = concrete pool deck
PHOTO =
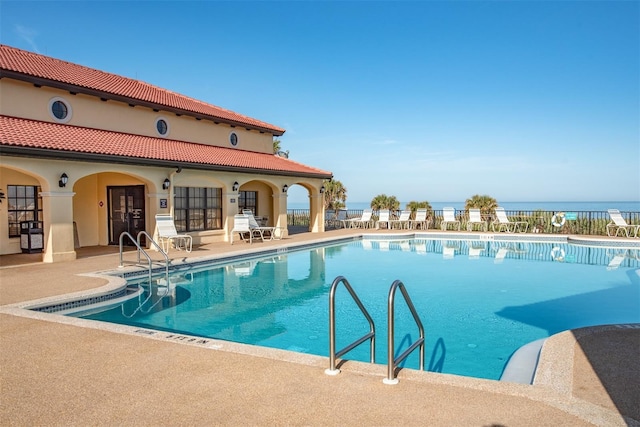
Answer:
(57, 370)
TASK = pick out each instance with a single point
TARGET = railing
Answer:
(539, 221)
(392, 363)
(140, 249)
(333, 354)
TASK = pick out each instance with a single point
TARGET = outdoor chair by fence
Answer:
(403, 220)
(420, 219)
(504, 224)
(383, 218)
(475, 219)
(167, 235)
(340, 219)
(269, 233)
(241, 226)
(364, 220)
(329, 217)
(449, 218)
(618, 224)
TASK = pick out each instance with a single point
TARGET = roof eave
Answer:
(17, 151)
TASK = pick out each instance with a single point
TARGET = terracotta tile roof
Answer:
(18, 133)
(51, 69)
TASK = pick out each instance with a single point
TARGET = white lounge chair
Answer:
(449, 217)
(503, 223)
(403, 221)
(364, 220)
(241, 226)
(618, 224)
(340, 219)
(420, 219)
(329, 218)
(167, 234)
(268, 233)
(475, 219)
(383, 218)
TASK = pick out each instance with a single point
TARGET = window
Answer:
(248, 200)
(60, 109)
(24, 204)
(197, 209)
(162, 127)
(233, 138)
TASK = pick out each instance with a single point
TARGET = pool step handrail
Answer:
(136, 241)
(138, 244)
(392, 363)
(333, 354)
(158, 247)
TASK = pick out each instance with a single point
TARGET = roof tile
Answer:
(19, 132)
(32, 64)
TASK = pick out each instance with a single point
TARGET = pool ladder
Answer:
(136, 242)
(392, 363)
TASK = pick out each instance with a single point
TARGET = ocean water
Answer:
(628, 206)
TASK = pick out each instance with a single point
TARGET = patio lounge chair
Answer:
(449, 218)
(269, 233)
(340, 219)
(475, 219)
(241, 226)
(383, 218)
(503, 223)
(420, 219)
(403, 221)
(329, 218)
(167, 234)
(364, 220)
(618, 224)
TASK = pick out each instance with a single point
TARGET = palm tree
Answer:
(382, 201)
(414, 206)
(486, 204)
(335, 195)
(278, 150)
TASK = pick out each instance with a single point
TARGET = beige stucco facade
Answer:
(77, 215)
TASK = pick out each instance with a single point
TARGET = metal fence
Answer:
(538, 221)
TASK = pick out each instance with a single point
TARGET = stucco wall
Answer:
(89, 111)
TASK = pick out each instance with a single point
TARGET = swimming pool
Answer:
(478, 300)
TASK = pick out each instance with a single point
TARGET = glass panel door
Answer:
(126, 212)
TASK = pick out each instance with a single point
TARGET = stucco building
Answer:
(92, 154)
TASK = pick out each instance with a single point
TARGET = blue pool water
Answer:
(478, 301)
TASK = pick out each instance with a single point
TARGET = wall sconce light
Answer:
(235, 186)
(166, 184)
(63, 180)
(285, 188)
(322, 189)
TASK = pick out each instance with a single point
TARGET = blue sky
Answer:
(423, 100)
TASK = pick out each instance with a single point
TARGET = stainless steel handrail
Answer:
(392, 363)
(140, 249)
(164, 254)
(332, 327)
(135, 242)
